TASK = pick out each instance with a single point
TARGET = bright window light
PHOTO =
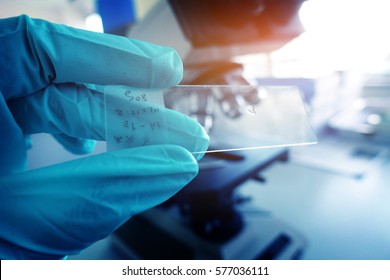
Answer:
(340, 34)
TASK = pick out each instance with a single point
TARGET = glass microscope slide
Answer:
(234, 117)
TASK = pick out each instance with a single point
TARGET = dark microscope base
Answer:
(162, 234)
(205, 220)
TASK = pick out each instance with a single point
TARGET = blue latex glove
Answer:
(47, 73)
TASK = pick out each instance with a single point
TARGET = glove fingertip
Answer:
(167, 69)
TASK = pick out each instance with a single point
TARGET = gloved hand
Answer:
(46, 73)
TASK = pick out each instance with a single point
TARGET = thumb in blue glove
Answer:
(62, 209)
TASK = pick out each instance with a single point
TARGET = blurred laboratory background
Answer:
(329, 200)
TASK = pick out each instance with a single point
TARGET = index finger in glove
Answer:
(38, 53)
(78, 111)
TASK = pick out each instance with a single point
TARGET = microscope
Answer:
(209, 219)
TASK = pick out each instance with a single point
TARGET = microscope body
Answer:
(207, 219)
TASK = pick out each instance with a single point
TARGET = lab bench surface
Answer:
(342, 216)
